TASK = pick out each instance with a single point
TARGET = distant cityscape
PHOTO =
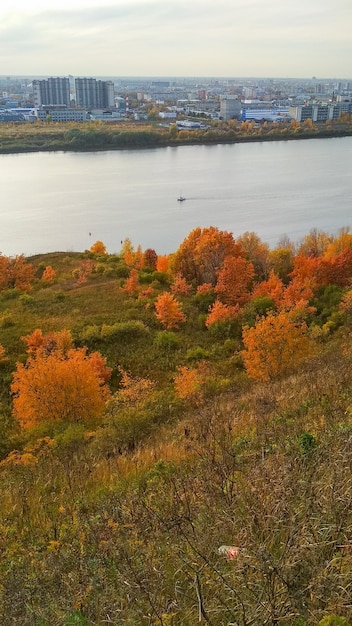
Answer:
(182, 100)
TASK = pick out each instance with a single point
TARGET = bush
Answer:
(145, 278)
(167, 340)
(333, 620)
(203, 301)
(161, 277)
(90, 333)
(6, 320)
(124, 331)
(197, 354)
(27, 300)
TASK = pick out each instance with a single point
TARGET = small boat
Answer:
(181, 199)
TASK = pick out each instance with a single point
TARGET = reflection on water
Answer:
(53, 201)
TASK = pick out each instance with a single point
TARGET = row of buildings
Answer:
(64, 99)
(232, 107)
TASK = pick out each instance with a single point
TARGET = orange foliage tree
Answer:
(168, 310)
(58, 382)
(272, 288)
(60, 341)
(98, 248)
(15, 273)
(162, 264)
(220, 312)
(131, 283)
(274, 346)
(336, 270)
(202, 253)
(180, 286)
(84, 270)
(234, 280)
(48, 274)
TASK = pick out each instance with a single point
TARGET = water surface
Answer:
(66, 201)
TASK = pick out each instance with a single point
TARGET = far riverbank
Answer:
(98, 136)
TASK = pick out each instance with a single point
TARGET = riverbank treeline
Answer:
(176, 434)
(49, 136)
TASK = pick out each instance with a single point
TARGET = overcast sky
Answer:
(278, 38)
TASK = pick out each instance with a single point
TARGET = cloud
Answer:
(186, 37)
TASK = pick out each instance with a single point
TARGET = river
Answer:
(64, 201)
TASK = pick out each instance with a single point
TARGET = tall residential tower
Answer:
(94, 94)
(51, 91)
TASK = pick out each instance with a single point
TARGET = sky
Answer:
(165, 38)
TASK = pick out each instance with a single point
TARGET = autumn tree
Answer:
(131, 283)
(234, 280)
(188, 383)
(220, 312)
(256, 251)
(48, 274)
(202, 254)
(168, 310)
(150, 258)
(314, 244)
(59, 342)
(16, 273)
(274, 346)
(84, 270)
(280, 260)
(134, 389)
(98, 248)
(59, 384)
(336, 270)
(272, 288)
(339, 244)
(162, 264)
(180, 286)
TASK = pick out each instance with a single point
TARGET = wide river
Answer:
(67, 201)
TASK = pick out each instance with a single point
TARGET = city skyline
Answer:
(157, 38)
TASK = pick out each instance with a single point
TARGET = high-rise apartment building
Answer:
(51, 91)
(94, 94)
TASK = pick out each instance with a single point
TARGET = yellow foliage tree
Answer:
(98, 248)
(134, 389)
(274, 346)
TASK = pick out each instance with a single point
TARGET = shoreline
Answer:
(92, 139)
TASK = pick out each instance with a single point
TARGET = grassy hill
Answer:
(128, 519)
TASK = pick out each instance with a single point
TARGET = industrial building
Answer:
(230, 107)
(320, 112)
